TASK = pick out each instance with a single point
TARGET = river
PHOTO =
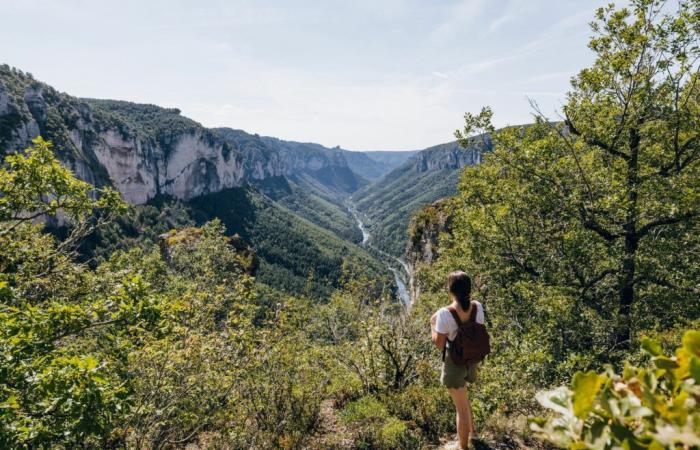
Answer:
(399, 276)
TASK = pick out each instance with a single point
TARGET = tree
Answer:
(602, 209)
(638, 107)
(60, 384)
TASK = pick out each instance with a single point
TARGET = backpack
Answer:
(472, 342)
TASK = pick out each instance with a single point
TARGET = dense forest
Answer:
(251, 317)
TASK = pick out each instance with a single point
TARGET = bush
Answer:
(364, 410)
(654, 407)
(374, 428)
(428, 408)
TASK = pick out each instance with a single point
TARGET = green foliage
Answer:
(35, 184)
(653, 407)
(59, 383)
(290, 248)
(583, 235)
(365, 409)
(429, 175)
(313, 201)
(146, 350)
(385, 378)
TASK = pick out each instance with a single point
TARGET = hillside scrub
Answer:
(161, 349)
(139, 352)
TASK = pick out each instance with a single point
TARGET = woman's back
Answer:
(447, 325)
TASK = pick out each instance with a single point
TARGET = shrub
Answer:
(654, 407)
(364, 410)
(430, 409)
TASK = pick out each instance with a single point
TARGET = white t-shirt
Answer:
(446, 324)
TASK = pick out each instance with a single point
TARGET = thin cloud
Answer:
(548, 77)
(512, 10)
(464, 12)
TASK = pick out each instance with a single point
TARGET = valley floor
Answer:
(399, 276)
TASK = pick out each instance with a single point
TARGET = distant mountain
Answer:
(367, 166)
(373, 165)
(428, 175)
(146, 150)
(390, 160)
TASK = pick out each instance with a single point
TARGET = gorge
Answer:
(305, 208)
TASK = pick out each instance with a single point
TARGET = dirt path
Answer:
(332, 433)
(491, 442)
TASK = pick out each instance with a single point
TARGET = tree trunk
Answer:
(628, 267)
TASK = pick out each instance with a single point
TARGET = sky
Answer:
(362, 74)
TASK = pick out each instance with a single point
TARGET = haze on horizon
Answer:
(365, 75)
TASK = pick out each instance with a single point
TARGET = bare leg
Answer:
(472, 430)
(464, 419)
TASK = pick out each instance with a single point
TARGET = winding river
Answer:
(400, 276)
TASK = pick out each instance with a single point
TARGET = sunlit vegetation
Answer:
(584, 237)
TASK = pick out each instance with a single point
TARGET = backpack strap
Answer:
(473, 313)
(455, 316)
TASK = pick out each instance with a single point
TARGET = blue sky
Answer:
(365, 75)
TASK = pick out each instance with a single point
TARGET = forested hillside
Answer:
(426, 176)
(271, 189)
(168, 286)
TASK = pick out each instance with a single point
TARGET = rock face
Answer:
(423, 245)
(449, 156)
(145, 150)
(425, 177)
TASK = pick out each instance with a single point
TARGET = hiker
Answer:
(458, 330)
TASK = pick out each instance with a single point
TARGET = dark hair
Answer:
(459, 285)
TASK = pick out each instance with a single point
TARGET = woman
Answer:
(444, 328)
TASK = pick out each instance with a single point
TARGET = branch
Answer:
(594, 141)
(665, 221)
(18, 221)
(655, 280)
(590, 223)
(677, 164)
(598, 278)
(86, 327)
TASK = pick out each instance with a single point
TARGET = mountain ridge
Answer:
(145, 150)
(427, 176)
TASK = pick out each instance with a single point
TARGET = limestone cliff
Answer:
(145, 150)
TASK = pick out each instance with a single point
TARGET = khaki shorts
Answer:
(454, 376)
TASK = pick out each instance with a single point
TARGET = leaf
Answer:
(585, 386)
(691, 342)
(694, 368)
(663, 362)
(558, 400)
(651, 346)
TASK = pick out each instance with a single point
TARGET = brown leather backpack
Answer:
(472, 342)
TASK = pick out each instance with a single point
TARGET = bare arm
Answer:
(439, 339)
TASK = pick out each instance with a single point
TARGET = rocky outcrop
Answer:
(187, 238)
(145, 150)
(450, 158)
(423, 246)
